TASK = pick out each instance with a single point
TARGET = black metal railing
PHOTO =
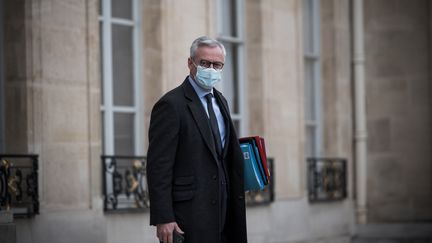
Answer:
(327, 179)
(265, 196)
(125, 183)
(19, 184)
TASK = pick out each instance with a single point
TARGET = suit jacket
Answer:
(182, 169)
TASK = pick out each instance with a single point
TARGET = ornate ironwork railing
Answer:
(265, 196)
(19, 184)
(327, 179)
(125, 183)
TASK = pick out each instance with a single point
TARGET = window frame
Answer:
(314, 57)
(108, 108)
(238, 41)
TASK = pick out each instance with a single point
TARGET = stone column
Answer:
(282, 95)
(52, 108)
(1, 80)
(16, 60)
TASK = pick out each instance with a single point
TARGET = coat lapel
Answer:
(225, 112)
(199, 116)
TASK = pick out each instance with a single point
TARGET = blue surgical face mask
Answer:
(207, 78)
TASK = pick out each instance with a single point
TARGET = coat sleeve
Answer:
(163, 139)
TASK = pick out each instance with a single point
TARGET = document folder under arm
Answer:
(252, 175)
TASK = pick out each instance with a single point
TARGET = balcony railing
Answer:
(266, 196)
(327, 179)
(125, 183)
(19, 184)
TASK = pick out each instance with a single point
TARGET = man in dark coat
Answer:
(194, 161)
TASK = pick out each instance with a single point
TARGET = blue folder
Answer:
(257, 159)
(259, 163)
(252, 174)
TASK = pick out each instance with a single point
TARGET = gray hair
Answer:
(205, 41)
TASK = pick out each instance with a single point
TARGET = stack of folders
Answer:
(256, 172)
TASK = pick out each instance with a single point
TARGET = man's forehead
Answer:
(212, 49)
(211, 53)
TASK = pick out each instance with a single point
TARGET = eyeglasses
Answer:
(208, 64)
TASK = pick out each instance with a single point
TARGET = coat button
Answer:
(214, 177)
(213, 202)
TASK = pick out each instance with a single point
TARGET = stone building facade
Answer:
(78, 75)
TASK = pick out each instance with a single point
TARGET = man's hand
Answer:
(165, 231)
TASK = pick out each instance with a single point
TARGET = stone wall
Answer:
(52, 91)
(2, 94)
(398, 87)
(15, 74)
(336, 83)
(282, 84)
(53, 109)
(51, 87)
(275, 102)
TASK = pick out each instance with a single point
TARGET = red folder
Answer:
(261, 149)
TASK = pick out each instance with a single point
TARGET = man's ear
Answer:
(190, 63)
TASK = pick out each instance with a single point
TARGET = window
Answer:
(312, 88)
(2, 97)
(121, 99)
(230, 34)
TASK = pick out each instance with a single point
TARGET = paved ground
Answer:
(394, 233)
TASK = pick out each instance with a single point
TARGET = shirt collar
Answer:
(200, 91)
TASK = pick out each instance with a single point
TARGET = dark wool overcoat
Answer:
(182, 169)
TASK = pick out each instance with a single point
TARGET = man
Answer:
(194, 160)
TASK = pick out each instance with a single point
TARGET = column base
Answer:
(361, 214)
